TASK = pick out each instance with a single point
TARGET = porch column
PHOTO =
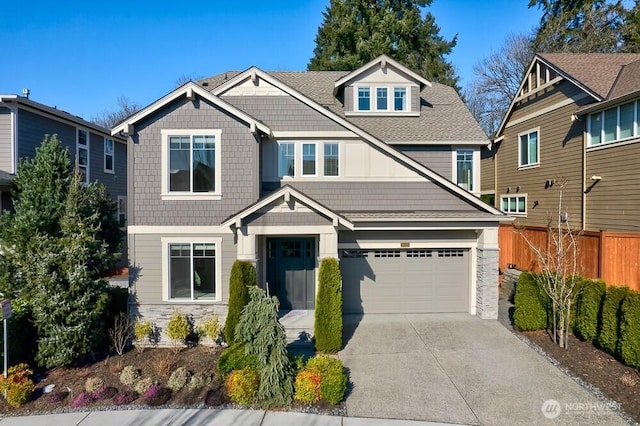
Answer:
(328, 244)
(247, 246)
(487, 273)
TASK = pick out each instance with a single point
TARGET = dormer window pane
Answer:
(381, 99)
(364, 98)
(400, 99)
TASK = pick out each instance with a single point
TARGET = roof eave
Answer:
(383, 61)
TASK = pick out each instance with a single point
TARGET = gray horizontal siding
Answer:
(239, 157)
(115, 183)
(437, 158)
(32, 129)
(286, 219)
(383, 196)
(6, 140)
(283, 113)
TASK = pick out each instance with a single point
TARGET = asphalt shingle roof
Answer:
(443, 117)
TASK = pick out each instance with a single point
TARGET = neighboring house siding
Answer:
(32, 129)
(6, 140)
(115, 183)
(382, 196)
(283, 113)
(560, 158)
(487, 170)
(437, 158)
(239, 151)
(613, 203)
(545, 99)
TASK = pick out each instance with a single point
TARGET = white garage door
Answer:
(405, 281)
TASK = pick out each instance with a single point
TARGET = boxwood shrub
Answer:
(235, 358)
(609, 336)
(630, 330)
(588, 306)
(328, 317)
(531, 304)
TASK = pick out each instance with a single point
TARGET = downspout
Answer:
(584, 179)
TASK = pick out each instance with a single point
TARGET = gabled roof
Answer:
(255, 72)
(383, 61)
(189, 90)
(286, 192)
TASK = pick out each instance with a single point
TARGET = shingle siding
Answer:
(286, 219)
(6, 140)
(437, 158)
(239, 157)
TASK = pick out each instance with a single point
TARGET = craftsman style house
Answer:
(574, 124)
(377, 167)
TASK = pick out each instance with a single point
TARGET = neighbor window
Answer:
(331, 159)
(122, 211)
(514, 204)
(192, 271)
(286, 159)
(381, 99)
(108, 155)
(82, 155)
(464, 168)
(400, 99)
(308, 159)
(528, 148)
(192, 163)
(364, 98)
(614, 124)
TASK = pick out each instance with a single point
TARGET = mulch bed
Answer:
(617, 381)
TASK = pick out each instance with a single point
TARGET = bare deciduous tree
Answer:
(109, 118)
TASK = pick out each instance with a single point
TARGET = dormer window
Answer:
(364, 99)
(400, 99)
(376, 99)
(381, 99)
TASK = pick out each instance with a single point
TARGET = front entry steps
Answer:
(298, 326)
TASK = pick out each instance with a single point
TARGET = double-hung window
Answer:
(286, 159)
(192, 270)
(464, 168)
(122, 211)
(308, 159)
(82, 155)
(514, 204)
(364, 99)
(108, 155)
(528, 148)
(400, 99)
(331, 159)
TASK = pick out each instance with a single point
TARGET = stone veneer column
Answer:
(487, 262)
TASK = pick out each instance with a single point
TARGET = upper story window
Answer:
(528, 148)
(364, 99)
(122, 211)
(614, 124)
(331, 159)
(400, 99)
(464, 168)
(82, 154)
(286, 159)
(381, 99)
(191, 163)
(308, 159)
(108, 155)
(516, 205)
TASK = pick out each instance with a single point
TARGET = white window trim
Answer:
(517, 195)
(476, 167)
(165, 241)
(113, 156)
(315, 158)
(407, 105)
(87, 176)
(122, 197)
(339, 158)
(530, 165)
(296, 160)
(373, 97)
(164, 161)
(299, 155)
(617, 140)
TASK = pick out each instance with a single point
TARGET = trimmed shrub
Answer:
(333, 380)
(84, 399)
(92, 384)
(242, 386)
(609, 336)
(18, 386)
(178, 329)
(199, 380)
(630, 330)
(531, 304)
(307, 386)
(142, 331)
(243, 275)
(328, 316)
(130, 375)
(210, 327)
(235, 357)
(588, 305)
(179, 379)
(144, 384)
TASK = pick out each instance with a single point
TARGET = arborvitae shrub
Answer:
(531, 304)
(588, 305)
(609, 336)
(630, 330)
(328, 315)
(243, 274)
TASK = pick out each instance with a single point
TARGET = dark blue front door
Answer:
(290, 271)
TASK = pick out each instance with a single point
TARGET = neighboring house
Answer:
(287, 168)
(97, 154)
(574, 122)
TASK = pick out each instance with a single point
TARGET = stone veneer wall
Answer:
(487, 283)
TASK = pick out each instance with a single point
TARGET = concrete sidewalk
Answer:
(198, 417)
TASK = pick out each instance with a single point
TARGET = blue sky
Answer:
(81, 55)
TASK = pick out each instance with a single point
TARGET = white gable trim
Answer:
(383, 61)
(411, 163)
(286, 193)
(189, 90)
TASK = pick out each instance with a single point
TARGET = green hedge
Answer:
(588, 305)
(235, 358)
(609, 336)
(531, 304)
(243, 274)
(328, 317)
(630, 330)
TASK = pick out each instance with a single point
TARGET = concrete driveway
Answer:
(457, 368)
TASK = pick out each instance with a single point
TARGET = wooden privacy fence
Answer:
(613, 257)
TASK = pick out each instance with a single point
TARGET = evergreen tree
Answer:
(355, 32)
(242, 275)
(631, 29)
(328, 316)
